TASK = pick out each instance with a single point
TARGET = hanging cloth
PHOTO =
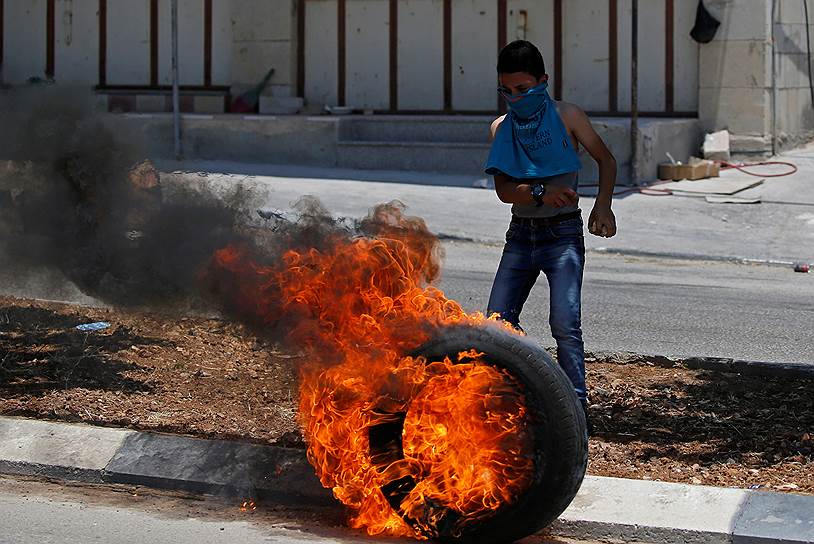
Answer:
(705, 25)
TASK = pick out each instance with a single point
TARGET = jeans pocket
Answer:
(572, 228)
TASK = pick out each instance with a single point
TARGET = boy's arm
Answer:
(520, 193)
(601, 221)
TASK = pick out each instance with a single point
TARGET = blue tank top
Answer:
(532, 142)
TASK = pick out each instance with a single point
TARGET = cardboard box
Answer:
(695, 170)
(669, 171)
(701, 169)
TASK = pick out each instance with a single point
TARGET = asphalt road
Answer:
(653, 306)
(678, 308)
(36, 512)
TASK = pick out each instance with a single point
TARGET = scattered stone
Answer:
(716, 146)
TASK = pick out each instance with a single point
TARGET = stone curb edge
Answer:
(716, 364)
(621, 509)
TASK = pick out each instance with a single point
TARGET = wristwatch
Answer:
(538, 192)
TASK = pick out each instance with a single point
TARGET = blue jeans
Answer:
(557, 250)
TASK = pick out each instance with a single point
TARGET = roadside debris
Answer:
(97, 326)
(801, 267)
(694, 170)
(716, 146)
(726, 199)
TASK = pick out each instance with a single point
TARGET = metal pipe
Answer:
(774, 82)
(634, 93)
(176, 99)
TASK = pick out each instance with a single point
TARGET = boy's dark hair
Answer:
(521, 56)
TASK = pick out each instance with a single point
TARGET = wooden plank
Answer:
(715, 186)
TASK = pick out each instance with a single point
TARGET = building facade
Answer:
(426, 56)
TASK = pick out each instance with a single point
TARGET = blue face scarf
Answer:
(532, 142)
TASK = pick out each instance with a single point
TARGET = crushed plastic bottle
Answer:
(97, 326)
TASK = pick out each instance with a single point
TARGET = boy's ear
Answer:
(543, 78)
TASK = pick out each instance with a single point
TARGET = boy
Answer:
(535, 165)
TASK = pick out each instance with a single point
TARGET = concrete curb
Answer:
(716, 364)
(622, 252)
(77, 452)
(605, 508)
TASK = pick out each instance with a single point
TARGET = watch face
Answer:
(537, 191)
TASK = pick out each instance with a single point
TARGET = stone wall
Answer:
(754, 76)
(794, 112)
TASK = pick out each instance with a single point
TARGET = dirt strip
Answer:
(210, 378)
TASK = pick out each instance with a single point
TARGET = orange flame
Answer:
(356, 307)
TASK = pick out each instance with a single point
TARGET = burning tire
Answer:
(554, 423)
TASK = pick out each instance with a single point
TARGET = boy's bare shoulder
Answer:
(495, 125)
(570, 113)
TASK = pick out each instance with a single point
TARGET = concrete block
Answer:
(399, 128)
(735, 64)
(281, 140)
(790, 38)
(750, 145)
(209, 104)
(741, 19)
(742, 111)
(151, 103)
(794, 111)
(680, 137)
(716, 146)
(792, 72)
(790, 12)
(216, 466)
(775, 517)
(57, 450)
(428, 156)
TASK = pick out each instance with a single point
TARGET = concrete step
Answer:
(459, 145)
(425, 156)
(438, 128)
(448, 144)
(463, 158)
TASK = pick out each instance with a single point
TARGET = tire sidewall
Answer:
(557, 423)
